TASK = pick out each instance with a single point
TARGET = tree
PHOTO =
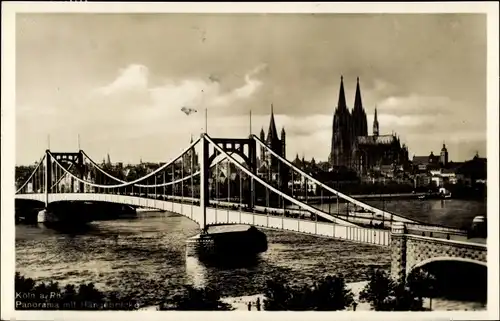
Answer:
(43, 293)
(22, 173)
(377, 291)
(422, 284)
(277, 295)
(88, 293)
(193, 298)
(385, 294)
(23, 284)
(330, 294)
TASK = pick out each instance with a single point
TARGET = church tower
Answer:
(443, 157)
(342, 134)
(262, 148)
(273, 141)
(375, 124)
(359, 123)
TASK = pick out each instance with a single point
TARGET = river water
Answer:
(448, 212)
(145, 257)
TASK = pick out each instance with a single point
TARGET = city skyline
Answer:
(426, 94)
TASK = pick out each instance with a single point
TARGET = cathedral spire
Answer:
(357, 100)
(359, 123)
(341, 104)
(272, 132)
(375, 124)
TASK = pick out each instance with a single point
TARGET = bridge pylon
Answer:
(204, 172)
(48, 176)
(237, 146)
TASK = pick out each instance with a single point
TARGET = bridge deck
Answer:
(232, 216)
(260, 216)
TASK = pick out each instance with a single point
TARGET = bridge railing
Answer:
(233, 215)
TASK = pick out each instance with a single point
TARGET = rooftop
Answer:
(376, 140)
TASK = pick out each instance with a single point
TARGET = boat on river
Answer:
(228, 240)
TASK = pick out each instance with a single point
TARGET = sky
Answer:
(119, 81)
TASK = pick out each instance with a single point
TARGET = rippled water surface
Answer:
(449, 212)
(147, 255)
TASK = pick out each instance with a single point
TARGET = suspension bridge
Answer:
(215, 181)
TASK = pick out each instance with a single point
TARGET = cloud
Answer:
(134, 77)
(416, 104)
(130, 107)
(406, 121)
(246, 91)
(174, 94)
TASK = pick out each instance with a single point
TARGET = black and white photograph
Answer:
(316, 158)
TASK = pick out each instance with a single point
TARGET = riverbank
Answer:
(240, 303)
(438, 304)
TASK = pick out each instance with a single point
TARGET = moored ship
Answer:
(228, 240)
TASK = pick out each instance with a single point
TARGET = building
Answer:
(473, 172)
(353, 148)
(190, 159)
(443, 176)
(268, 165)
(432, 162)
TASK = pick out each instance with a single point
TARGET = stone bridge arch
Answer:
(409, 251)
(445, 259)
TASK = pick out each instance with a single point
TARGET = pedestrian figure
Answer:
(249, 306)
(354, 305)
(258, 304)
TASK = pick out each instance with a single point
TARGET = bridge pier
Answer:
(398, 251)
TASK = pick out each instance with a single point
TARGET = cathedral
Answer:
(353, 148)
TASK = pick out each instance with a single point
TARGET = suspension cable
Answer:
(289, 164)
(150, 174)
(258, 179)
(33, 173)
(344, 196)
(140, 185)
(61, 178)
(119, 185)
